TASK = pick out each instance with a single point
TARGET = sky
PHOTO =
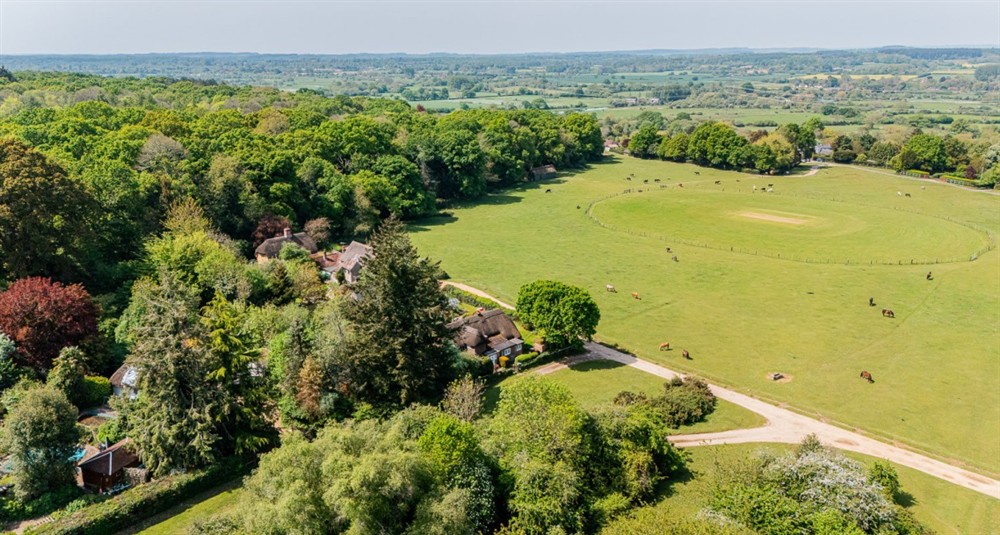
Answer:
(489, 27)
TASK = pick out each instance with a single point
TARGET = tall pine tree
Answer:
(173, 421)
(401, 350)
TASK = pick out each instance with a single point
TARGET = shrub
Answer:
(525, 358)
(96, 390)
(130, 507)
(685, 401)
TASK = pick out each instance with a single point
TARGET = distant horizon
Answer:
(791, 50)
(484, 27)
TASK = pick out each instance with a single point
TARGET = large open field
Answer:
(744, 314)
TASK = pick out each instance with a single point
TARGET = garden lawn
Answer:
(742, 316)
(180, 519)
(946, 508)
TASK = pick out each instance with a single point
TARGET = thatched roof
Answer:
(272, 246)
(489, 330)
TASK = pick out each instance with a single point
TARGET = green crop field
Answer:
(946, 508)
(742, 316)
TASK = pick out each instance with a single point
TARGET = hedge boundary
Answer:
(137, 504)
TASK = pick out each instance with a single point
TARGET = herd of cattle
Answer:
(665, 346)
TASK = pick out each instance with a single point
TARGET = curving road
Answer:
(782, 425)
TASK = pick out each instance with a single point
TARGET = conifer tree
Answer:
(400, 351)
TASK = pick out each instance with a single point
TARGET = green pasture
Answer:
(596, 383)
(946, 508)
(743, 316)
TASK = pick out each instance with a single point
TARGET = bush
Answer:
(96, 391)
(134, 505)
(525, 358)
(685, 401)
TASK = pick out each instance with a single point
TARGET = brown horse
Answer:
(888, 313)
(665, 346)
(685, 354)
(635, 295)
(867, 376)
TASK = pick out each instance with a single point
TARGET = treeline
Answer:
(114, 162)
(716, 144)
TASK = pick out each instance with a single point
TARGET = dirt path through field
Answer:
(790, 427)
(477, 292)
(782, 425)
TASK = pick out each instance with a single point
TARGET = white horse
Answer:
(611, 288)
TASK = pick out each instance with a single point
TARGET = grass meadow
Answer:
(742, 316)
(945, 508)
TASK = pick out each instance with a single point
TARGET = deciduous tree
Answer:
(42, 317)
(565, 314)
(41, 434)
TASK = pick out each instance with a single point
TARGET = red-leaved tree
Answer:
(269, 227)
(43, 316)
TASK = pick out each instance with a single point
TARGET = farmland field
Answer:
(742, 315)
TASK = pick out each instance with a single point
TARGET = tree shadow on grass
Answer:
(904, 499)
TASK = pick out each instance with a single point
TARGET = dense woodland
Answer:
(129, 209)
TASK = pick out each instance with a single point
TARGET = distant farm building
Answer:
(543, 172)
(823, 149)
(271, 247)
(490, 333)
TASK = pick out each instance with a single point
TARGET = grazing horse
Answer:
(867, 376)
(685, 354)
(930, 277)
(656, 180)
(645, 181)
(681, 185)
(635, 295)
(578, 207)
(611, 288)
(668, 249)
(906, 195)
(718, 182)
(899, 193)
(674, 258)
(888, 313)
(548, 191)
(665, 346)
(697, 173)
(628, 178)
(770, 185)
(871, 301)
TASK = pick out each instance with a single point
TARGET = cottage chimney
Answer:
(288, 232)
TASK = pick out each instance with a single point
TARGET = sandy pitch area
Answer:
(773, 218)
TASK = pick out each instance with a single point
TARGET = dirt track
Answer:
(782, 425)
(790, 427)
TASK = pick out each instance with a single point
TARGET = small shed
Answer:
(543, 172)
(105, 469)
